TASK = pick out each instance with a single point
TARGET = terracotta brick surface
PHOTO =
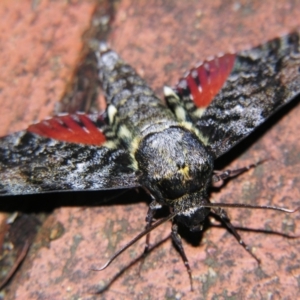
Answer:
(40, 43)
(161, 39)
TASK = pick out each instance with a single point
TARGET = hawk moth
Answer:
(140, 143)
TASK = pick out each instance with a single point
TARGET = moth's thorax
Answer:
(174, 163)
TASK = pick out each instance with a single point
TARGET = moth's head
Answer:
(194, 214)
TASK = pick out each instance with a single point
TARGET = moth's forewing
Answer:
(252, 84)
(63, 153)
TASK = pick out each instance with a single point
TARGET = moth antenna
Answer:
(226, 205)
(139, 236)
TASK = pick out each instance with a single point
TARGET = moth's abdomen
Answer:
(132, 106)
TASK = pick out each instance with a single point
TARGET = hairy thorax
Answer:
(174, 165)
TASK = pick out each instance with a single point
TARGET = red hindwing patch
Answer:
(204, 82)
(77, 128)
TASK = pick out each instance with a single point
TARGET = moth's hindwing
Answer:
(228, 97)
(77, 128)
(64, 153)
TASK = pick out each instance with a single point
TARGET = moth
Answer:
(166, 149)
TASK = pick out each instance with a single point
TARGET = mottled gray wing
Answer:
(229, 96)
(32, 163)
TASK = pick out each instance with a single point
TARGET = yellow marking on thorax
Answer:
(185, 171)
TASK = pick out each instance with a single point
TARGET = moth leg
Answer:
(225, 219)
(221, 176)
(149, 221)
(177, 241)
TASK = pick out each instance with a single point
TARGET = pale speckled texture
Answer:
(161, 41)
